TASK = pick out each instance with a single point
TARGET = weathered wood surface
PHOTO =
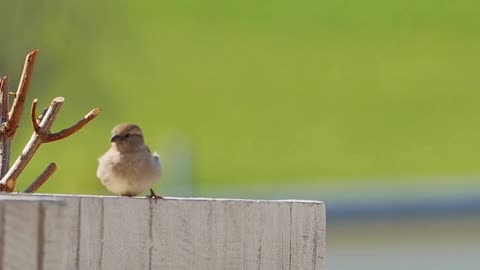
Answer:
(87, 232)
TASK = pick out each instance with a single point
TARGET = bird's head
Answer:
(127, 137)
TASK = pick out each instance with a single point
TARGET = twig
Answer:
(4, 140)
(42, 178)
(42, 124)
(51, 137)
(8, 181)
(36, 127)
(15, 113)
(41, 135)
(69, 131)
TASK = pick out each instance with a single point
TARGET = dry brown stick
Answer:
(15, 113)
(50, 137)
(33, 116)
(4, 140)
(69, 131)
(8, 181)
(42, 178)
(41, 135)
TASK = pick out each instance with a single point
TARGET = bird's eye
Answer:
(127, 135)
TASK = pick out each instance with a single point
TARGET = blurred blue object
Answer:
(450, 207)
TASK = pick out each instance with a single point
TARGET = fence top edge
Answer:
(56, 197)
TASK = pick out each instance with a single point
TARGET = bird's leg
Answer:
(153, 195)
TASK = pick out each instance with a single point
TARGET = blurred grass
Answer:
(266, 90)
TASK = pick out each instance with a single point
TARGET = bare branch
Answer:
(41, 135)
(69, 131)
(51, 114)
(8, 181)
(15, 113)
(42, 178)
(4, 140)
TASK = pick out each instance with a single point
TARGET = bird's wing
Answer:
(155, 156)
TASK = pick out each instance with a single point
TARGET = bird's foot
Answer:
(154, 196)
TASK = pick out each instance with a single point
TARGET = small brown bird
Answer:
(128, 168)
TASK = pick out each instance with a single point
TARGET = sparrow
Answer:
(128, 168)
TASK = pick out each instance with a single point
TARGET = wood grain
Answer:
(92, 232)
(58, 222)
(126, 228)
(21, 235)
(307, 236)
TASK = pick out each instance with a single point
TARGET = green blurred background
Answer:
(263, 92)
(371, 106)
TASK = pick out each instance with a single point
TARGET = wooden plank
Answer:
(21, 235)
(186, 247)
(91, 233)
(77, 232)
(267, 236)
(39, 227)
(126, 239)
(58, 223)
(307, 236)
(221, 235)
(227, 238)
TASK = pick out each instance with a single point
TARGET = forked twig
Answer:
(42, 124)
(8, 181)
(47, 136)
(42, 135)
(51, 137)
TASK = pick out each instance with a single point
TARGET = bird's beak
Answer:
(115, 138)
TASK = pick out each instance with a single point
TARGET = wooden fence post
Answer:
(93, 232)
